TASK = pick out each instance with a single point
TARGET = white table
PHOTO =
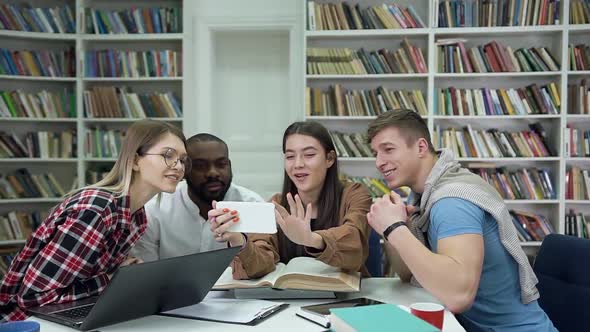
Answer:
(390, 290)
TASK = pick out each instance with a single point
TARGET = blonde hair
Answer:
(140, 137)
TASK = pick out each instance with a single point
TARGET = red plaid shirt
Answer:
(71, 254)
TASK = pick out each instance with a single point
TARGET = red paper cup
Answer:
(431, 313)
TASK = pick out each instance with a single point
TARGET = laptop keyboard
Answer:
(76, 313)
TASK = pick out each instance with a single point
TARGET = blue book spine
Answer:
(155, 16)
(175, 103)
(50, 19)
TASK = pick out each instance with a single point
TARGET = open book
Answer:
(300, 273)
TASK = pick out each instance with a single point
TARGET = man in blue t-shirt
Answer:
(454, 248)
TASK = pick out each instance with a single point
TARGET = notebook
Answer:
(374, 317)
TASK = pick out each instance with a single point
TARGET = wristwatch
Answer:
(393, 226)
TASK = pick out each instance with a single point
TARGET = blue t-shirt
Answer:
(497, 305)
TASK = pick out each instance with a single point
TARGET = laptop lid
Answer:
(145, 289)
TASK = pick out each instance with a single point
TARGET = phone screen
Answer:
(324, 309)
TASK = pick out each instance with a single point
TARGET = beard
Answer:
(204, 194)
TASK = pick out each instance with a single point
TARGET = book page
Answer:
(226, 281)
(311, 266)
(310, 273)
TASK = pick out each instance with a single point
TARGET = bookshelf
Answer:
(555, 38)
(139, 78)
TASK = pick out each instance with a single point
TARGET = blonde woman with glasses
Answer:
(75, 251)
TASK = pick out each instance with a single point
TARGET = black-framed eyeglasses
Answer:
(171, 159)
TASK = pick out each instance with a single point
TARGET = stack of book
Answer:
(346, 61)
(577, 184)
(134, 20)
(337, 101)
(6, 256)
(577, 224)
(120, 102)
(102, 143)
(119, 63)
(484, 13)
(577, 142)
(41, 144)
(492, 143)
(579, 57)
(377, 187)
(19, 225)
(531, 184)
(578, 98)
(351, 145)
(38, 62)
(22, 184)
(41, 104)
(531, 99)
(531, 226)
(579, 12)
(23, 17)
(453, 57)
(96, 174)
(342, 16)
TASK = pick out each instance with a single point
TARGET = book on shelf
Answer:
(467, 142)
(23, 17)
(17, 225)
(6, 257)
(42, 63)
(577, 183)
(302, 273)
(337, 101)
(121, 102)
(531, 226)
(41, 144)
(524, 183)
(577, 224)
(579, 57)
(103, 143)
(376, 187)
(576, 142)
(528, 100)
(579, 12)
(346, 61)
(578, 97)
(133, 20)
(96, 174)
(483, 13)
(343, 16)
(454, 57)
(122, 63)
(40, 104)
(22, 184)
(351, 144)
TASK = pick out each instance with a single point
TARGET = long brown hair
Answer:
(139, 138)
(329, 200)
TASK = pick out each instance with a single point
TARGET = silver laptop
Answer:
(144, 289)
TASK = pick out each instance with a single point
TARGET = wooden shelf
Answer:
(37, 78)
(128, 120)
(154, 37)
(37, 35)
(38, 160)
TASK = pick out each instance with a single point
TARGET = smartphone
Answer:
(319, 313)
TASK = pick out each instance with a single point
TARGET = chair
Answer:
(374, 262)
(563, 269)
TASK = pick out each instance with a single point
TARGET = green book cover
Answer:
(9, 103)
(374, 317)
